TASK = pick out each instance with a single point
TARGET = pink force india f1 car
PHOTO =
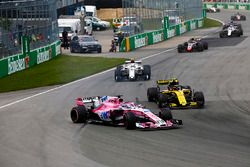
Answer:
(113, 110)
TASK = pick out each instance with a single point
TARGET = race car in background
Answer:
(238, 17)
(132, 70)
(212, 10)
(168, 93)
(231, 30)
(113, 110)
(194, 44)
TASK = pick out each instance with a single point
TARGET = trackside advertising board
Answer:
(222, 5)
(150, 38)
(28, 58)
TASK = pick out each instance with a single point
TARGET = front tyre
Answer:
(79, 114)
(199, 99)
(223, 35)
(118, 74)
(129, 120)
(166, 114)
(152, 94)
(162, 100)
(180, 48)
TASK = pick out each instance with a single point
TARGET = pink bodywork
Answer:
(105, 108)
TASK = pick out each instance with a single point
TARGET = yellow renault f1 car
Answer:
(169, 93)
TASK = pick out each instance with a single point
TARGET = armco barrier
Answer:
(28, 58)
(221, 5)
(150, 38)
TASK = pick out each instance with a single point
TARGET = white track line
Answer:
(71, 83)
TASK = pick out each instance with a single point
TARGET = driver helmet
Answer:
(175, 81)
(132, 60)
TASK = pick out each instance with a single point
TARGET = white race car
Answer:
(212, 10)
(231, 30)
(132, 70)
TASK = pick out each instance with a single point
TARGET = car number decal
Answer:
(105, 115)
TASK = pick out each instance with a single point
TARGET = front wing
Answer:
(170, 124)
(189, 105)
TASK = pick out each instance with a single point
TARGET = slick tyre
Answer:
(180, 48)
(152, 94)
(162, 100)
(199, 99)
(118, 74)
(147, 72)
(129, 120)
(223, 35)
(166, 114)
(200, 47)
(79, 114)
(205, 45)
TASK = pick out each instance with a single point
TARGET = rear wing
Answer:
(95, 99)
(129, 61)
(166, 81)
(162, 82)
(86, 100)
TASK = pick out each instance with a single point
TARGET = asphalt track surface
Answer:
(38, 132)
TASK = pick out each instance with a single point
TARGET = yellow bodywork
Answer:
(181, 98)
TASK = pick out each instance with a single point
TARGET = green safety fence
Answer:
(28, 58)
(221, 5)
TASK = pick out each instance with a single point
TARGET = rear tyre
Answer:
(166, 114)
(129, 120)
(205, 45)
(79, 114)
(152, 94)
(147, 72)
(199, 98)
(200, 47)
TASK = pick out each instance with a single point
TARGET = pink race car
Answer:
(112, 110)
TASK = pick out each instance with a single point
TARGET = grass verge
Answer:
(208, 23)
(60, 70)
